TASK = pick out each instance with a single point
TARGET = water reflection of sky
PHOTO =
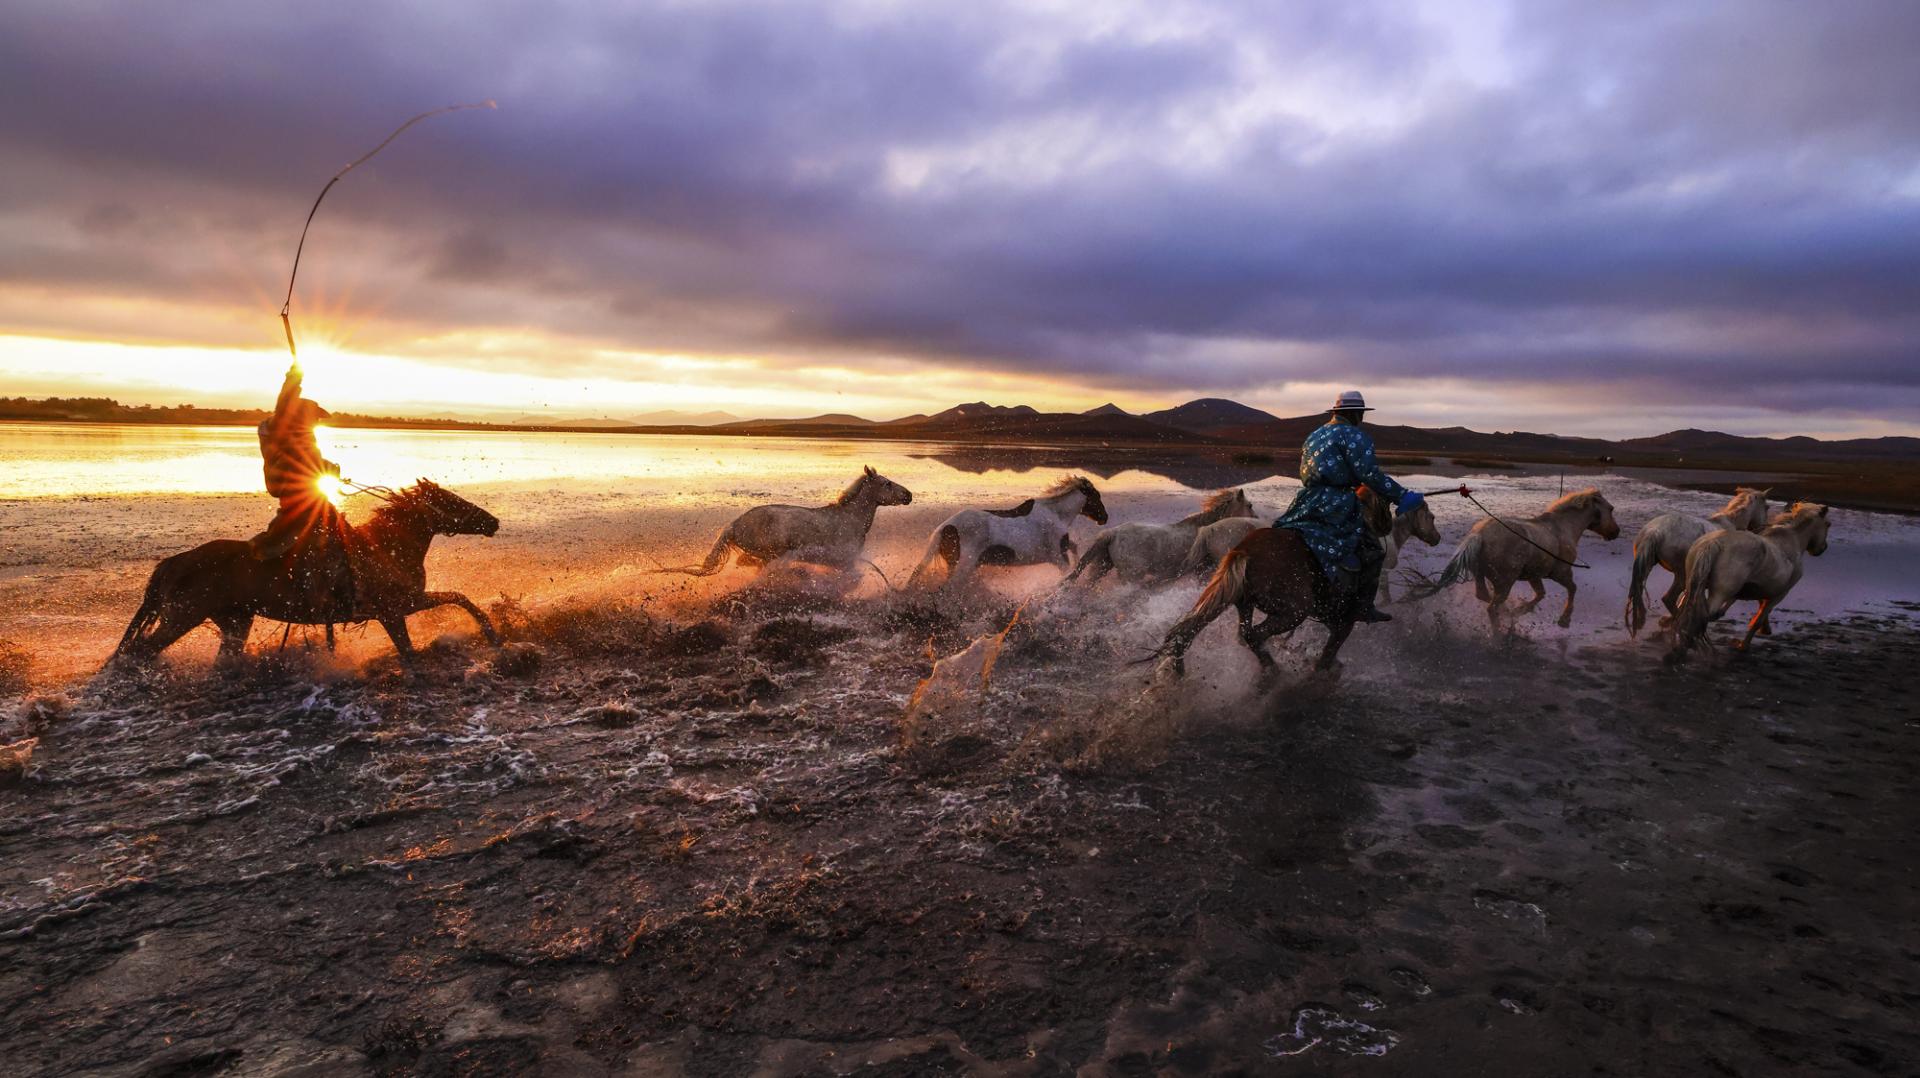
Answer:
(86, 510)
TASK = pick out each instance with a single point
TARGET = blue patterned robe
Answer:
(1337, 458)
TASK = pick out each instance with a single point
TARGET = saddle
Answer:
(1023, 509)
(318, 559)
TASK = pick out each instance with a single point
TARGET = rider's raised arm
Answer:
(289, 393)
(1367, 470)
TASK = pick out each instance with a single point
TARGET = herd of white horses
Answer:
(1743, 552)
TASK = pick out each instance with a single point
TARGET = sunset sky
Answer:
(1610, 218)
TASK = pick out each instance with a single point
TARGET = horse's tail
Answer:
(715, 558)
(165, 575)
(1099, 555)
(1690, 623)
(934, 543)
(1464, 566)
(1196, 558)
(1224, 590)
(1646, 555)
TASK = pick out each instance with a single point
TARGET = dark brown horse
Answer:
(1274, 572)
(223, 582)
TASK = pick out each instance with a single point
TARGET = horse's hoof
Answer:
(1566, 623)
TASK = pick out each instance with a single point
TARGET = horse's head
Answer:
(884, 491)
(1748, 508)
(1809, 519)
(1092, 507)
(1237, 504)
(1422, 526)
(1600, 517)
(445, 512)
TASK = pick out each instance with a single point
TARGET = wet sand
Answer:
(692, 841)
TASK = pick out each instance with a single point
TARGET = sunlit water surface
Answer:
(85, 512)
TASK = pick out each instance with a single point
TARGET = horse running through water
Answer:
(223, 582)
(1500, 553)
(1665, 540)
(1031, 533)
(1274, 572)
(831, 535)
(1212, 542)
(1728, 566)
(1150, 553)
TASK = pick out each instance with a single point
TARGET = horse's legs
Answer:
(1336, 635)
(1497, 601)
(173, 625)
(431, 599)
(1671, 600)
(1251, 635)
(234, 626)
(1563, 576)
(961, 570)
(1756, 625)
(1539, 593)
(396, 627)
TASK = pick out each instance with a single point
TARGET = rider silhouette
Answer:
(1337, 458)
(307, 527)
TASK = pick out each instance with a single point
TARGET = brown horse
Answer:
(223, 582)
(1273, 571)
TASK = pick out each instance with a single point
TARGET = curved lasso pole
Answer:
(286, 308)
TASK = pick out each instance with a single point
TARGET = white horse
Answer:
(1497, 554)
(1727, 566)
(1150, 553)
(1031, 533)
(1665, 540)
(831, 535)
(1212, 542)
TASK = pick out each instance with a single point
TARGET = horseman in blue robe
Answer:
(1336, 460)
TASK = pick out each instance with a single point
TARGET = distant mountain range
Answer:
(1215, 422)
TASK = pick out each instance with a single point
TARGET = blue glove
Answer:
(1411, 500)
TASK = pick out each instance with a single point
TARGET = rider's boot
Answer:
(1367, 590)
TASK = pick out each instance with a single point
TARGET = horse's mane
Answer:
(1795, 513)
(1213, 503)
(1579, 499)
(1064, 484)
(852, 489)
(1379, 512)
(395, 502)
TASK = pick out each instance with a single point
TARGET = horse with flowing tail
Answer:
(225, 583)
(1035, 532)
(1727, 566)
(1273, 571)
(1151, 553)
(1665, 540)
(831, 535)
(1497, 554)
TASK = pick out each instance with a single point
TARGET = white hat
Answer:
(1350, 401)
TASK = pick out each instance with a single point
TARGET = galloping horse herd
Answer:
(1739, 553)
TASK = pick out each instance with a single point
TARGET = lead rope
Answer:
(1468, 495)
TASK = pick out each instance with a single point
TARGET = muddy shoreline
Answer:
(645, 845)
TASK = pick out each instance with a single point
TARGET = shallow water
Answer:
(85, 511)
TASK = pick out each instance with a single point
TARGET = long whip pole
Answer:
(286, 308)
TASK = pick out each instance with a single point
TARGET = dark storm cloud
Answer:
(1691, 198)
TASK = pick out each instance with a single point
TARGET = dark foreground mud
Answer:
(639, 848)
